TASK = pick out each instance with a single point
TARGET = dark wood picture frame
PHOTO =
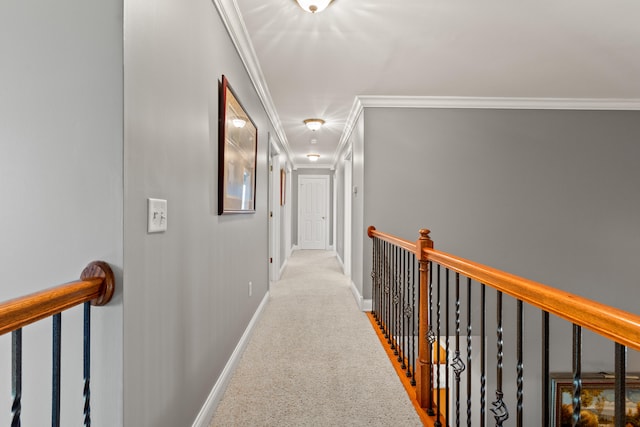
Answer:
(237, 155)
(598, 398)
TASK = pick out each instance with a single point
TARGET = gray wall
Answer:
(186, 290)
(61, 191)
(549, 195)
(294, 200)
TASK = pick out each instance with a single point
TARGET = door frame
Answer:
(326, 207)
(274, 210)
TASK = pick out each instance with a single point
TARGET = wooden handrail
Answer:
(96, 284)
(617, 325)
(405, 244)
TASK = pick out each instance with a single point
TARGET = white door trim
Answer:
(301, 178)
(274, 210)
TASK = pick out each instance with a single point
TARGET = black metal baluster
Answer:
(412, 349)
(520, 365)
(446, 348)
(499, 409)
(437, 350)
(55, 387)
(483, 362)
(431, 337)
(546, 381)
(87, 364)
(386, 291)
(577, 374)
(377, 281)
(373, 279)
(403, 310)
(16, 377)
(620, 386)
(389, 292)
(457, 365)
(394, 300)
(469, 352)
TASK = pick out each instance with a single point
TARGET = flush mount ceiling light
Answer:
(314, 124)
(314, 141)
(238, 122)
(313, 157)
(314, 6)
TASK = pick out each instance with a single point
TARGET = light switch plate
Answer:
(157, 215)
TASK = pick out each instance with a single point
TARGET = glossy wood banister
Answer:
(96, 284)
(617, 325)
(405, 244)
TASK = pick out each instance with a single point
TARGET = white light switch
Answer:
(157, 215)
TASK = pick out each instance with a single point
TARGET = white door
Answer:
(313, 212)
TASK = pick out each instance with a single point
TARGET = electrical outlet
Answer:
(250, 288)
(157, 215)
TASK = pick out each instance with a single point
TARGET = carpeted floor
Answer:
(314, 359)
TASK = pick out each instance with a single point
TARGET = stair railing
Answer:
(95, 287)
(441, 275)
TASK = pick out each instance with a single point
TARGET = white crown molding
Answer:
(352, 119)
(506, 103)
(232, 19)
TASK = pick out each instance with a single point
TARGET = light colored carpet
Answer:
(314, 359)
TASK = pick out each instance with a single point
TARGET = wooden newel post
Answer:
(424, 389)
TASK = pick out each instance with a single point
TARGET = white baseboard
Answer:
(284, 264)
(363, 304)
(206, 412)
(340, 261)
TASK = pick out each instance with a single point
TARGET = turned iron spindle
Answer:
(519, 365)
(546, 381)
(16, 377)
(483, 362)
(431, 337)
(577, 374)
(457, 364)
(499, 410)
(56, 363)
(469, 330)
(620, 386)
(446, 347)
(437, 350)
(86, 392)
(414, 317)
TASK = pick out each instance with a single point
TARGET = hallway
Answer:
(314, 359)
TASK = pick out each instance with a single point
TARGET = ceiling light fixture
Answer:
(314, 6)
(314, 124)
(238, 122)
(313, 157)
(314, 141)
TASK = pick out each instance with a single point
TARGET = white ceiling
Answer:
(316, 65)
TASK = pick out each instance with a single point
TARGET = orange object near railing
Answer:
(96, 284)
(390, 283)
(617, 325)
(95, 287)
